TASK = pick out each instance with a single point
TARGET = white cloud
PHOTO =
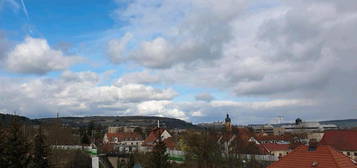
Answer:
(80, 93)
(35, 56)
(117, 48)
(264, 104)
(160, 108)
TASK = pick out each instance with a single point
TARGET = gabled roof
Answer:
(270, 147)
(343, 140)
(323, 157)
(154, 136)
(124, 136)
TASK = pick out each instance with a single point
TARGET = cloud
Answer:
(80, 93)
(11, 3)
(4, 46)
(281, 51)
(188, 31)
(204, 97)
(143, 77)
(35, 56)
(160, 108)
(117, 48)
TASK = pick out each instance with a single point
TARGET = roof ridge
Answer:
(331, 150)
(335, 152)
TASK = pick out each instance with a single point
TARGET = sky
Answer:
(258, 61)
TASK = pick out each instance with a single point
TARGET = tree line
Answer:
(19, 151)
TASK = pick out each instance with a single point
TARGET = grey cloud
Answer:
(199, 33)
(143, 77)
(204, 97)
(4, 46)
(293, 49)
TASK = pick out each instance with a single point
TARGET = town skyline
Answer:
(258, 61)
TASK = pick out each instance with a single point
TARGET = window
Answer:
(348, 153)
(355, 153)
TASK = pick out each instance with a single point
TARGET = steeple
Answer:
(227, 118)
(227, 123)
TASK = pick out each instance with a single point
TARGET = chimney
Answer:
(313, 145)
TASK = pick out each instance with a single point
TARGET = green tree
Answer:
(158, 157)
(80, 160)
(202, 149)
(85, 139)
(15, 148)
(40, 156)
(139, 131)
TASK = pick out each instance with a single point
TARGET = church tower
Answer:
(228, 123)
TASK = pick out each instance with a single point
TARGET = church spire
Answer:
(227, 123)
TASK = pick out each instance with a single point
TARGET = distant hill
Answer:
(6, 119)
(349, 123)
(144, 121)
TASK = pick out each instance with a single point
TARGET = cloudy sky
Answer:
(189, 59)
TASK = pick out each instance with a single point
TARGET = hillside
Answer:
(349, 123)
(5, 119)
(145, 121)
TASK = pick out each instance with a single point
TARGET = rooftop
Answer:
(343, 140)
(323, 157)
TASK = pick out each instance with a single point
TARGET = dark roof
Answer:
(228, 119)
(274, 138)
(343, 140)
(124, 136)
(323, 157)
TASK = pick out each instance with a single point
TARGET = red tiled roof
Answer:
(323, 157)
(108, 148)
(169, 142)
(343, 140)
(275, 147)
(154, 135)
(124, 136)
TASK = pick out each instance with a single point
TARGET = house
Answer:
(277, 139)
(344, 141)
(154, 136)
(124, 141)
(117, 129)
(278, 150)
(322, 156)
